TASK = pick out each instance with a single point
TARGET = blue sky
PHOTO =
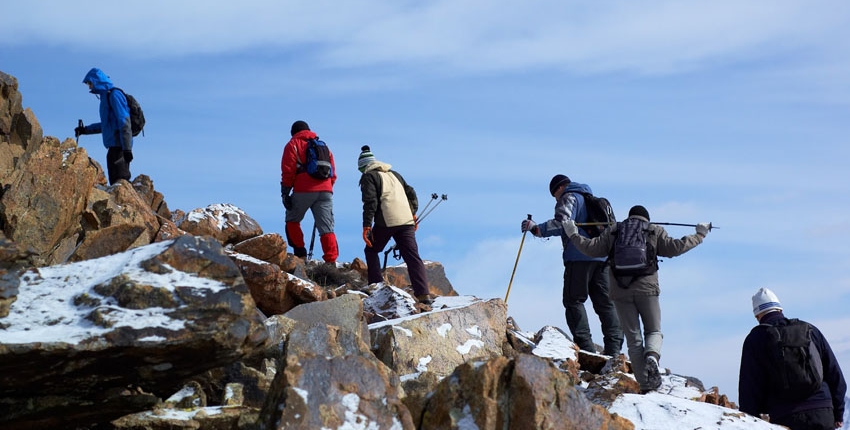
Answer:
(735, 113)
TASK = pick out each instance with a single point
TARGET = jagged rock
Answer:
(153, 198)
(226, 223)
(345, 312)
(191, 396)
(269, 247)
(612, 381)
(387, 303)
(330, 380)
(20, 131)
(142, 317)
(438, 284)
(551, 342)
(440, 341)
(209, 418)
(526, 392)
(46, 194)
(266, 283)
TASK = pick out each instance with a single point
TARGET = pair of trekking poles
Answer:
(394, 249)
(581, 224)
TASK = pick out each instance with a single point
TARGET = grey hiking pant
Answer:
(632, 310)
(583, 279)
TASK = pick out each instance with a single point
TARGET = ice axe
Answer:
(516, 262)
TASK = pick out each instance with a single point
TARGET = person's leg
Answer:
(630, 323)
(380, 237)
(300, 203)
(323, 213)
(812, 419)
(115, 167)
(405, 239)
(650, 314)
(612, 335)
(576, 277)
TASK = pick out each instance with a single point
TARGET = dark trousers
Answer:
(405, 241)
(583, 279)
(812, 419)
(117, 167)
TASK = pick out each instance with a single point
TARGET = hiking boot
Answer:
(425, 299)
(653, 376)
(300, 252)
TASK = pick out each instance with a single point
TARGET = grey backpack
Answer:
(633, 254)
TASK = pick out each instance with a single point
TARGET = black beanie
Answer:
(298, 126)
(556, 182)
(639, 211)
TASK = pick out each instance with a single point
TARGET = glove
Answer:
(128, 156)
(80, 130)
(285, 197)
(703, 228)
(570, 228)
(528, 225)
(367, 234)
(415, 223)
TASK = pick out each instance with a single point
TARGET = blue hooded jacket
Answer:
(114, 123)
(570, 206)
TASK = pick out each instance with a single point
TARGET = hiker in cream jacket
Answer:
(391, 204)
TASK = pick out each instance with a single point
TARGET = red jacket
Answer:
(295, 153)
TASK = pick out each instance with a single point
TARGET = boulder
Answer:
(269, 247)
(438, 284)
(226, 223)
(79, 334)
(20, 132)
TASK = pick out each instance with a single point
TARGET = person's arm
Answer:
(751, 393)
(333, 168)
(288, 165)
(832, 374)
(669, 247)
(370, 189)
(121, 112)
(565, 209)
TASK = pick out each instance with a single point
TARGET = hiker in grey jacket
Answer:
(391, 204)
(636, 298)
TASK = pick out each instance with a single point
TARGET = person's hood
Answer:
(380, 166)
(101, 83)
(576, 187)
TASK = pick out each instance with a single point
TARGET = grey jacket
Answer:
(641, 285)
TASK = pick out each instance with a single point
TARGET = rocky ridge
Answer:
(117, 312)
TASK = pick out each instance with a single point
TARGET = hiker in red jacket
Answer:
(307, 193)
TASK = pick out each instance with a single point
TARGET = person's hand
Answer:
(528, 225)
(367, 235)
(570, 228)
(415, 223)
(703, 228)
(80, 130)
(285, 197)
(839, 424)
(128, 156)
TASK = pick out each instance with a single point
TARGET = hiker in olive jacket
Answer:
(392, 204)
(636, 297)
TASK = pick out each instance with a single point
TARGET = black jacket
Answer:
(754, 393)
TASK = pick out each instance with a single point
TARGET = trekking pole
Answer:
(425, 214)
(433, 197)
(516, 262)
(76, 134)
(710, 226)
(312, 241)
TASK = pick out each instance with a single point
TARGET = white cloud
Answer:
(445, 36)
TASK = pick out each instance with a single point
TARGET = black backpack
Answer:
(317, 160)
(137, 116)
(633, 254)
(599, 210)
(796, 370)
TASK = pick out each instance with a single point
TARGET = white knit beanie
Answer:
(764, 300)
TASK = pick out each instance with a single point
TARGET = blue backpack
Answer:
(317, 160)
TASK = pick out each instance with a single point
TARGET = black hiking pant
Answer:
(583, 279)
(812, 419)
(117, 167)
(405, 240)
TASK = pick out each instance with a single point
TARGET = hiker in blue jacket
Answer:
(114, 125)
(757, 393)
(583, 276)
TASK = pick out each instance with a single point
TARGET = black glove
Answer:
(128, 156)
(285, 197)
(80, 130)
